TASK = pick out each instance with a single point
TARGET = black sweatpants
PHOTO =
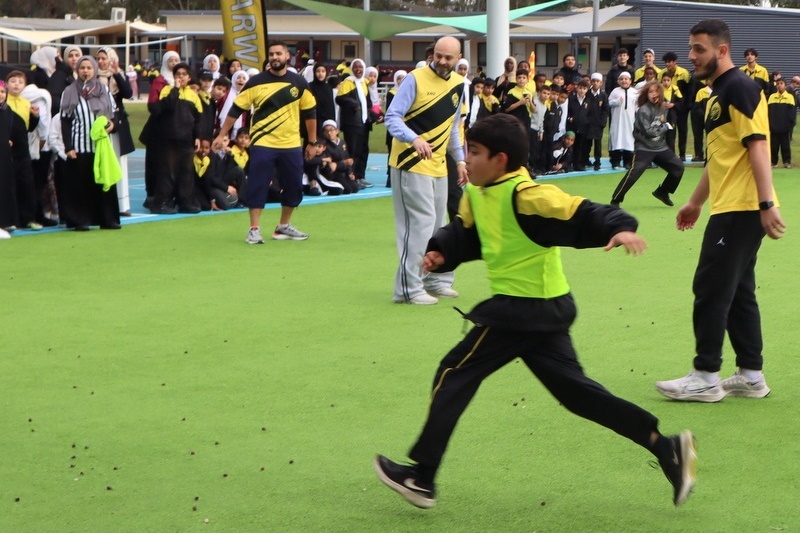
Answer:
(780, 142)
(698, 132)
(725, 291)
(666, 159)
(551, 358)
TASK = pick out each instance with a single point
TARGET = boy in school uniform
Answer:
(516, 225)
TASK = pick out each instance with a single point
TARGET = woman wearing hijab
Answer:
(150, 135)
(12, 133)
(84, 203)
(72, 54)
(50, 73)
(234, 66)
(354, 106)
(323, 94)
(238, 81)
(507, 80)
(120, 88)
(211, 64)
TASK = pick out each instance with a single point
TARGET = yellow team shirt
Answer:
(736, 114)
(639, 74)
(184, 93)
(278, 104)
(21, 106)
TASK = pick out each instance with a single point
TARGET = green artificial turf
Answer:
(166, 374)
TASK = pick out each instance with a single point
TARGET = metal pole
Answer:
(594, 40)
(497, 37)
(367, 48)
(127, 43)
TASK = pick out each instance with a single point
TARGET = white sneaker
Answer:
(288, 232)
(423, 299)
(4, 234)
(254, 236)
(737, 385)
(691, 388)
(443, 292)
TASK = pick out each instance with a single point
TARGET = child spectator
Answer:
(649, 133)
(673, 103)
(23, 165)
(517, 226)
(563, 154)
(219, 90)
(535, 159)
(562, 111)
(239, 151)
(622, 105)
(475, 102)
(491, 104)
(598, 117)
(578, 122)
(178, 111)
(228, 180)
(782, 116)
(202, 177)
(519, 102)
(12, 134)
(340, 168)
(209, 114)
(238, 81)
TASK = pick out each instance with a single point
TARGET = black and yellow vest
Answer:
(431, 117)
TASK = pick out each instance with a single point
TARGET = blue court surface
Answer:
(376, 174)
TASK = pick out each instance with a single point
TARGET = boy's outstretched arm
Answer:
(452, 245)
(629, 240)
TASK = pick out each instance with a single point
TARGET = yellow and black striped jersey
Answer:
(278, 104)
(758, 75)
(736, 114)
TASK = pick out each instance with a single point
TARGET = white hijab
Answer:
(165, 70)
(359, 83)
(232, 94)
(373, 87)
(214, 73)
(45, 59)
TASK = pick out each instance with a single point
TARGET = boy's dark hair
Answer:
(478, 81)
(669, 56)
(501, 133)
(429, 50)
(540, 76)
(194, 81)
(750, 51)
(558, 75)
(205, 75)
(489, 82)
(649, 69)
(566, 56)
(665, 74)
(222, 80)
(242, 131)
(522, 72)
(184, 66)
(16, 74)
(583, 83)
(717, 29)
(623, 51)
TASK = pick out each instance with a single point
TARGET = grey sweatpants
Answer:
(420, 208)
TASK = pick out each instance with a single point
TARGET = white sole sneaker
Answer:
(738, 386)
(691, 389)
(689, 466)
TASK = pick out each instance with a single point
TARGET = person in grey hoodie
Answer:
(650, 145)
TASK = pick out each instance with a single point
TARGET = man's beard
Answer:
(280, 66)
(708, 70)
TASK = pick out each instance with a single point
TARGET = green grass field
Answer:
(167, 374)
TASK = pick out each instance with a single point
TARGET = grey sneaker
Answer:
(737, 385)
(254, 236)
(691, 388)
(287, 232)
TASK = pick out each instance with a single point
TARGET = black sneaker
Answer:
(663, 197)
(404, 480)
(680, 466)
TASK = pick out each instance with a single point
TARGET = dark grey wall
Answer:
(775, 33)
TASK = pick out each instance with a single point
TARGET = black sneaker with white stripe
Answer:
(404, 479)
(680, 465)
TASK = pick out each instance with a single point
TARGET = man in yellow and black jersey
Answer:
(737, 180)
(680, 79)
(424, 122)
(756, 72)
(278, 101)
(517, 226)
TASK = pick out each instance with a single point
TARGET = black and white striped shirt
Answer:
(82, 126)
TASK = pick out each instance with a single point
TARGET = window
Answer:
(419, 49)
(349, 50)
(19, 53)
(606, 54)
(381, 52)
(547, 55)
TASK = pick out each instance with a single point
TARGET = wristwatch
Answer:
(314, 143)
(764, 206)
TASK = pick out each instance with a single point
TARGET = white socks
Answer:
(751, 375)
